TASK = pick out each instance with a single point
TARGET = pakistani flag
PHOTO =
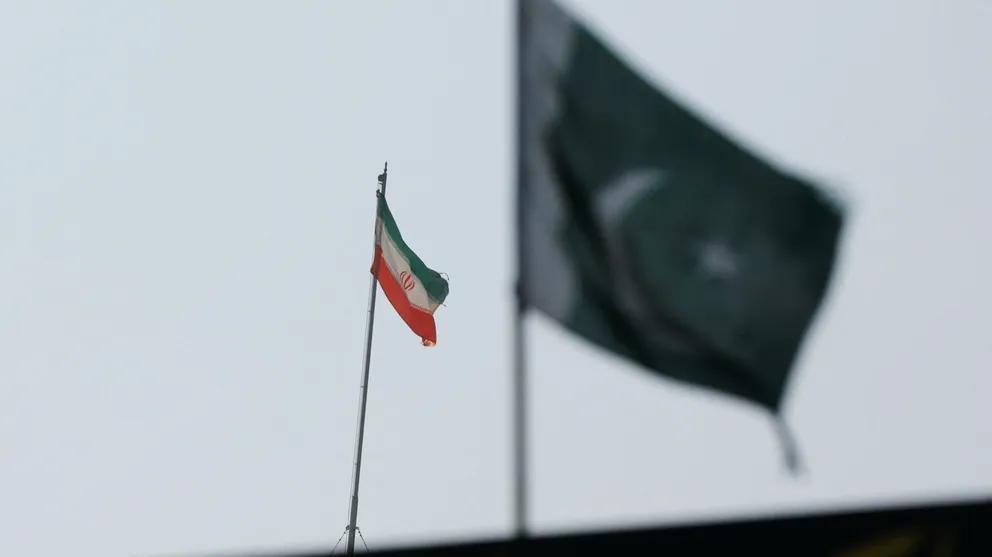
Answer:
(646, 231)
(414, 290)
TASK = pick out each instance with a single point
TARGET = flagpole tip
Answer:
(382, 178)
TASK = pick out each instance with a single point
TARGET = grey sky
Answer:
(185, 231)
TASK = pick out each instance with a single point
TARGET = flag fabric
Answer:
(414, 290)
(649, 233)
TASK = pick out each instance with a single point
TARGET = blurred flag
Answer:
(648, 232)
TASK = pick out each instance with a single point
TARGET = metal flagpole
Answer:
(519, 336)
(519, 423)
(364, 390)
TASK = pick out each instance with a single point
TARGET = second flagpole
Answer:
(364, 390)
(519, 377)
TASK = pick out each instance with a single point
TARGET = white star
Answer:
(717, 260)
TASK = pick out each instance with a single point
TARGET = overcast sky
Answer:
(186, 210)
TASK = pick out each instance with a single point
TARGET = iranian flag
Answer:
(415, 290)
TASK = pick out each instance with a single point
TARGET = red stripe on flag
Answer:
(421, 322)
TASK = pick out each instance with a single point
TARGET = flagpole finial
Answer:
(382, 177)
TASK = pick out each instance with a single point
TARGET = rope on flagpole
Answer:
(339, 541)
(367, 550)
(790, 448)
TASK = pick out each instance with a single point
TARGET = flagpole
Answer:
(519, 424)
(364, 389)
(519, 348)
